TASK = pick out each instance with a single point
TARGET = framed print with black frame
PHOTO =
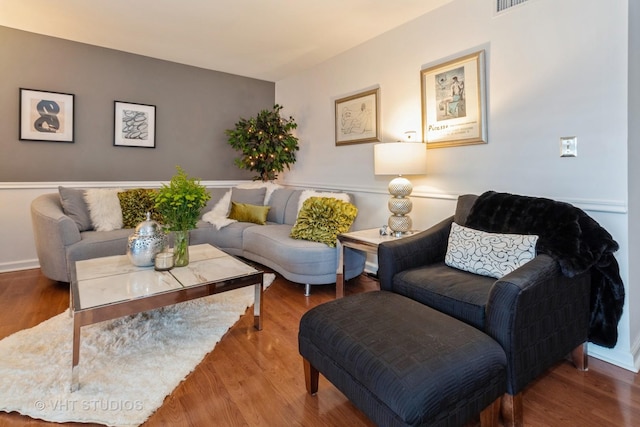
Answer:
(46, 116)
(454, 102)
(358, 118)
(134, 125)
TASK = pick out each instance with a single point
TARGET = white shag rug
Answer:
(127, 366)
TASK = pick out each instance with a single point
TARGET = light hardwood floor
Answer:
(255, 378)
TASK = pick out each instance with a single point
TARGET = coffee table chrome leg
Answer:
(340, 272)
(75, 374)
(257, 306)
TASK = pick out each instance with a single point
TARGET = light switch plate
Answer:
(568, 146)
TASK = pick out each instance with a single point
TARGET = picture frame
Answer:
(134, 125)
(454, 102)
(357, 118)
(46, 116)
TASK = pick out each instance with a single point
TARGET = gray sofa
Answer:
(59, 241)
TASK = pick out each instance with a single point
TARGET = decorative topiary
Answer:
(266, 143)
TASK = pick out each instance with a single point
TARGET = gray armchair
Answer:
(538, 314)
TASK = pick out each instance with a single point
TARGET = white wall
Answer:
(554, 68)
(634, 173)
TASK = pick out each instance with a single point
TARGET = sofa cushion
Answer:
(296, 256)
(321, 219)
(104, 208)
(455, 292)
(95, 244)
(245, 212)
(75, 207)
(252, 196)
(278, 202)
(228, 238)
(488, 254)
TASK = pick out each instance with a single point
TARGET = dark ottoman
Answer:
(401, 362)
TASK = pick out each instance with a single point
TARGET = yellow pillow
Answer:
(245, 212)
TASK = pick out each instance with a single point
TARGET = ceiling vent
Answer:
(502, 5)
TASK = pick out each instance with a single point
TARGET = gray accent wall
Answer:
(194, 106)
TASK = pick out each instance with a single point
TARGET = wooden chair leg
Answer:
(580, 357)
(512, 415)
(311, 375)
(490, 416)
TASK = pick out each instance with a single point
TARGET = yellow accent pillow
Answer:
(321, 219)
(245, 212)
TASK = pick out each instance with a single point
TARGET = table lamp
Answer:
(400, 158)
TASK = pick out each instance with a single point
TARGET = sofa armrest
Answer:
(53, 231)
(538, 316)
(423, 248)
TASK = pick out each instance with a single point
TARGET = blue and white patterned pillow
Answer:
(488, 254)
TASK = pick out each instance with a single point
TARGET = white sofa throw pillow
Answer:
(488, 254)
(104, 208)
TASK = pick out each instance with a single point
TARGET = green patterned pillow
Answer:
(321, 219)
(135, 204)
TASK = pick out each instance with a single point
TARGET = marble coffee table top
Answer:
(107, 280)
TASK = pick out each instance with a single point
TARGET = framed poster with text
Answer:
(454, 102)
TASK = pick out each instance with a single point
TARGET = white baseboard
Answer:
(6, 267)
(615, 357)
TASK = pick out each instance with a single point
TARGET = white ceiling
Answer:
(263, 39)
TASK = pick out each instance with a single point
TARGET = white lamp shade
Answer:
(400, 158)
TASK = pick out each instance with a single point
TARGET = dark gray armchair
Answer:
(538, 314)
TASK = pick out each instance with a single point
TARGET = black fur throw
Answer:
(572, 238)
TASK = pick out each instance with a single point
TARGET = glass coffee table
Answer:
(112, 287)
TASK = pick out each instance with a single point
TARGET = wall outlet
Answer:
(568, 146)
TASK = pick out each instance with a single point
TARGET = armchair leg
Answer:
(580, 357)
(311, 376)
(490, 416)
(512, 415)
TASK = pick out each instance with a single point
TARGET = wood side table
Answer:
(362, 240)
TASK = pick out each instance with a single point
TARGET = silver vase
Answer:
(147, 240)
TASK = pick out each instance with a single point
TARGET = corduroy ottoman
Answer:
(403, 363)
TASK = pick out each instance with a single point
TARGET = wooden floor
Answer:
(255, 378)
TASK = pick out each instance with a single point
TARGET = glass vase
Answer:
(181, 248)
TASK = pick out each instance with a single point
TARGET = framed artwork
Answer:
(135, 125)
(358, 118)
(46, 116)
(454, 102)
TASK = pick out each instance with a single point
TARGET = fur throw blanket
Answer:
(572, 238)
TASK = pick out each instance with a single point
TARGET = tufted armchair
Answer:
(536, 313)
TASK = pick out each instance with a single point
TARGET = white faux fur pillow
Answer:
(104, 208)
(218, 214)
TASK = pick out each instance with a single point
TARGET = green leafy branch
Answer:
(181, 202)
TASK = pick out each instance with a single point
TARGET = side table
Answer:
(362, 240)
